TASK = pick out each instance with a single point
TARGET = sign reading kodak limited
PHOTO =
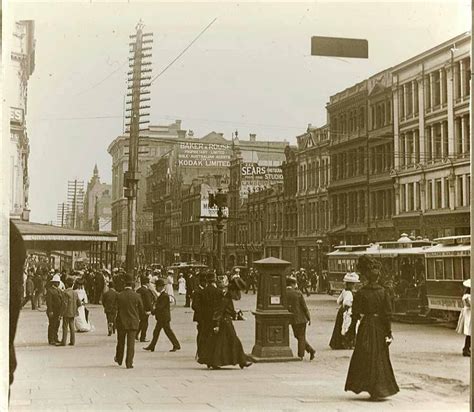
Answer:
(196, 154)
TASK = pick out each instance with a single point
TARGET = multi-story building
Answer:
(312, 195)
(20, 67)
(188, 160)
(290, 208)
(254, 165)
(381, 197)
(198, 219)
(431, 94)
(347, 190)
(97, 204)
(154, 143)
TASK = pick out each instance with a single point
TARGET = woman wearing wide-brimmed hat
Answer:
(343, 336)
(370, 369)
(224, 347)
(464, 323)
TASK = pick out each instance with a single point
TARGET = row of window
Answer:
(381, 158)
(348, 122)
(380, 114)
(314, 216)
(436, 142)
(348, 207)
(449, 268)
(348, 164)
(435, 89)
(313, 175)
(438, 194)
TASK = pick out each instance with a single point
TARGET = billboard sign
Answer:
(197, 154)
(210, 212)
(255, 177)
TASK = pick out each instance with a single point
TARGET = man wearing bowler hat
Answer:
(163, 318)
(130, 308)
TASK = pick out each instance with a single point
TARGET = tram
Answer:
(447, 266)
(403, 269)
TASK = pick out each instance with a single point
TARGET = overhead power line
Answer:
(184, 50)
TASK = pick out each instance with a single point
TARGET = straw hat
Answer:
(467, 283)
(351, 277)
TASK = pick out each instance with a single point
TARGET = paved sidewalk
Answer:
(427, 361)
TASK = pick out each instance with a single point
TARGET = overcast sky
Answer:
(251, 71)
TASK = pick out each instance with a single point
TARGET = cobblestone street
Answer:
(427, 360)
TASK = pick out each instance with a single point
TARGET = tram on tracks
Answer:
(403, 270)
(447, 266)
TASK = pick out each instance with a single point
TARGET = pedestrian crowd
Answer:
(362, 322)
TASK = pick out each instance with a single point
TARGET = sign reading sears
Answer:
(196, 154)
(255, 172)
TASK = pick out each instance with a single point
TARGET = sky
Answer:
(251, 71)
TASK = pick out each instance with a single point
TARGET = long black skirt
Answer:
(370, 369)
(223, 348)
(339, 341)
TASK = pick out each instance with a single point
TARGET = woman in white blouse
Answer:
(341, 337)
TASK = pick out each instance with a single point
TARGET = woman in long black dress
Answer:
(224, 347)
(370, 369)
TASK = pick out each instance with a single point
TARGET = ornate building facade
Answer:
(97, 204)
(348, 184)
(313, 179)
(431, 95)
(20, 67)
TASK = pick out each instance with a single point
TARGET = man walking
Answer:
(163, 319)
(130, 308)
(30, 291)
(147, 299)
(297, 306)
(70, 312)
(54, 303)
(109, 301)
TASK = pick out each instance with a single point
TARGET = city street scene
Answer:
(238, 206)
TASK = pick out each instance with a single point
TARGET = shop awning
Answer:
(41, 237)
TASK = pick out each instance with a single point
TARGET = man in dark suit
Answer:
(147, 299)
(163, 318)
(109, 301)
(54, 301)
(130, 307)
(197, 308)
(297, 306)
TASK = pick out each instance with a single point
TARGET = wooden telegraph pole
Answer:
(140, 80)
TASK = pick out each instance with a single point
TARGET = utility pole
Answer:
(61, 214)
(139, 80)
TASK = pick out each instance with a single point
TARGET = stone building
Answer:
(255, 165)
(97, 204)
(20, 67)
(431, 93)
(154, 143)
(312, 200)
(348, 185)
(381, 199)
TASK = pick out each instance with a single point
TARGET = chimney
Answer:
(253, 137)
(181, 134)
(178, 123)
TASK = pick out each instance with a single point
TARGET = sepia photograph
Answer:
(236, 206)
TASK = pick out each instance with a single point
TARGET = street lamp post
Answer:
(219, 199)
